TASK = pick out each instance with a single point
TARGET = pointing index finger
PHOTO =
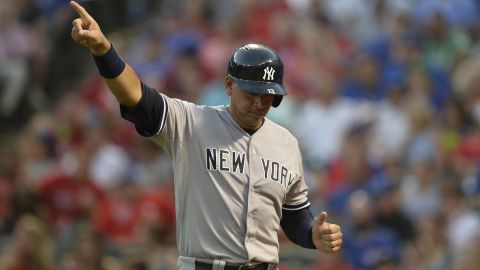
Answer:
(80, 10)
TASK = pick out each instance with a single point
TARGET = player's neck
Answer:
(252, 131)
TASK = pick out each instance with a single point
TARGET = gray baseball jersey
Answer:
(230, 186)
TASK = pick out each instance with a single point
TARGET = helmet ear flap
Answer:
(277, 101)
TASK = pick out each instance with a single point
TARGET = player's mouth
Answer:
(259, 113)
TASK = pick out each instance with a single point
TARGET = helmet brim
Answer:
(259, 87)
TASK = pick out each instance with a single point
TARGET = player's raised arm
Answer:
(119, 76)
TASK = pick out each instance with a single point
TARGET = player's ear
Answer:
(229, 82)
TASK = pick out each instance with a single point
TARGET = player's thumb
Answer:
(322, 218)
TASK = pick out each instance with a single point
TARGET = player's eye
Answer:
(249, 94)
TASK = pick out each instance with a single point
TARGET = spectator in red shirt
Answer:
(69, 198)
(126, 211)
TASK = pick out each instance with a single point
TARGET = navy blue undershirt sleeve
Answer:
(297, 226)
(149, 114)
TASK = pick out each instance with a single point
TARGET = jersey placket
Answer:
(250, 222)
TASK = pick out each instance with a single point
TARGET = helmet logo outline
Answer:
(270, 91)
(268, 73)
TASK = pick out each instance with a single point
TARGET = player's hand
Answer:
(327, 237)
(87, 32)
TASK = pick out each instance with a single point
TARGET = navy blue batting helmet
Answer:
(258, 69)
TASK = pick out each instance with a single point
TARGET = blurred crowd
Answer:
(384, 97)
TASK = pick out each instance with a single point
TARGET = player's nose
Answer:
(256, 101)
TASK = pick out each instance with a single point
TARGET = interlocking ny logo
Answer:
(268, 73)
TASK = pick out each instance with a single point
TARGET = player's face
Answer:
(248, 109)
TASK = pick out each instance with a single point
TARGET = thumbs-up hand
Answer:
(327, 237)
(87, 32)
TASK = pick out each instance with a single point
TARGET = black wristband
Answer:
(109, 65)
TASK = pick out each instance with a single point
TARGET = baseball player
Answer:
(238, 176)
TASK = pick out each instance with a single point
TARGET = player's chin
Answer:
(253, 122)
(256, 118)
